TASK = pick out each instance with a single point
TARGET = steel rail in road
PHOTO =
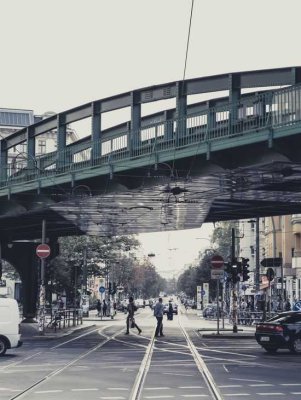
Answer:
(59, 370)
(137, 389)
(138, 385)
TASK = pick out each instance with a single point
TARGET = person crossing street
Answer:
(130, 320)
(158, 313)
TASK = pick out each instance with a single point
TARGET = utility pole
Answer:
(234, 284)
(42, 286)
(257, 262)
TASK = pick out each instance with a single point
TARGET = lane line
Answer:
(48, 391)
(271, 394)
(84, 390)
(190, 387)
(261, 384)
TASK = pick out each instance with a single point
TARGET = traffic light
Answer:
(245, 269)
(110, 288)
(236, 270)
(233, 270)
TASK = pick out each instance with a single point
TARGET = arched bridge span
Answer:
(228, 157)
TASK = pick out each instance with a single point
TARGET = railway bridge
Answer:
(217, 148)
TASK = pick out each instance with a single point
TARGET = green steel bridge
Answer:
(228, 148)
(228, 157)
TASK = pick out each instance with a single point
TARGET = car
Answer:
(174, 308)
(9, 325)
(283, 331)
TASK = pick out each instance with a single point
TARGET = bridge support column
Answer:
(168, 127)
(3, 163)
(135, 120)
(234, 97)
(181, 111)
(61, 142)
(23, 257)
(96, 133)
(31, 151)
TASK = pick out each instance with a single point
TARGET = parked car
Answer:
(174, 308)
(282, 331)
(9, 325)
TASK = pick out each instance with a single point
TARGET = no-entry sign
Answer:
(217, 262)
(43, 250)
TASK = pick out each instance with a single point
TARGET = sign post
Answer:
(42, 251)
(217, 272)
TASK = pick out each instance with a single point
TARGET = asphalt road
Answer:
(101, 362)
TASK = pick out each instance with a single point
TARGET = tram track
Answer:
(59, 370)
(148, 346)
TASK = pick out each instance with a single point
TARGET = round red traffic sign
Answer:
(43, 250)
(217, 261)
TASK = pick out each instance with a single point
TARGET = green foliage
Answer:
(222, 238)
(102, 256)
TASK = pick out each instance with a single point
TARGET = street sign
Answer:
(217, 273)
(271, 262)
(101, 289)
(217, 262)
(43, 250)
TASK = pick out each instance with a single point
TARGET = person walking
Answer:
(170, 311)
(130, 318)
(98, 308)
(158, 313)
(104, 309)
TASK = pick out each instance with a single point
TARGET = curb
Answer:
(226, 336)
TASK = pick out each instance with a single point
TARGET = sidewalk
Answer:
(208, 327)
(30, 331)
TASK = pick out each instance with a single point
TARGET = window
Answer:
(41, 146)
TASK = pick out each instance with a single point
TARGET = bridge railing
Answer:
(269, 110)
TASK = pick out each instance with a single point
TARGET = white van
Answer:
(9, 325)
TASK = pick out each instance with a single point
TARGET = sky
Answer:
(58, 54)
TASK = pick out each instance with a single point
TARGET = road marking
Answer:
(295, 392)
(83, 390)
(246, 380)
(225, 368)
(230, 386)
(156, 388)
(112, 398)
(194, 395)
(170, 373)
(159, 397)
(271, 394)
(190, 387)
(290, 384)
(261, 384)
(237, 394)
(48, 391)
(112, 388)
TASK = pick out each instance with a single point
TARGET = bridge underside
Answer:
(166, 198)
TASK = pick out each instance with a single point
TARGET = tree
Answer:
(222, 238)
(99, 255)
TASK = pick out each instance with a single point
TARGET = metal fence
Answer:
(60, 319)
